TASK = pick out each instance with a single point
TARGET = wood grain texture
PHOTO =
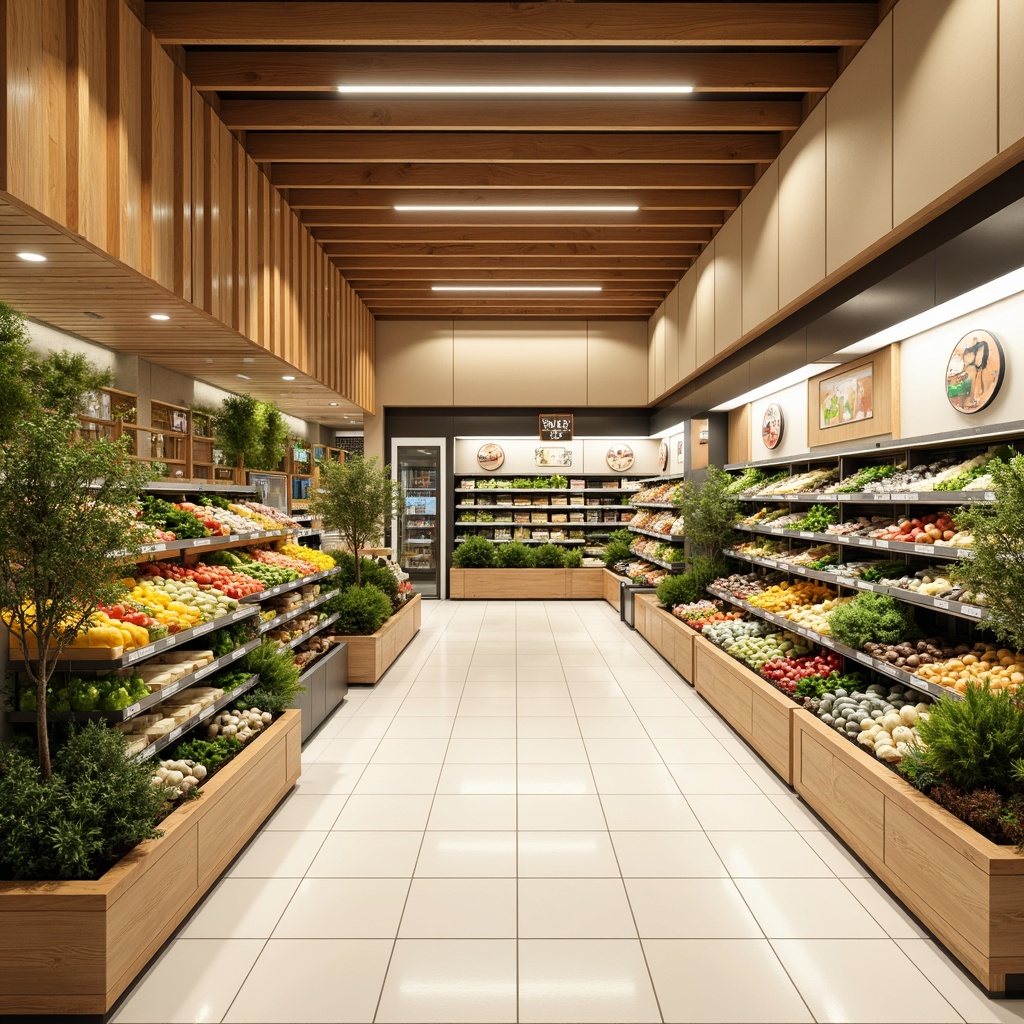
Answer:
(612, 589)
(526, 584)
(369, 657)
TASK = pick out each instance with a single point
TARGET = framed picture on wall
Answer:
(974, 372)
(619, 457)
(846, 397)
(680, 454)
(858, 400)
(490, 457)
(663, 456)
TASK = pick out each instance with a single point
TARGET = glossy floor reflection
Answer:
(533, 818)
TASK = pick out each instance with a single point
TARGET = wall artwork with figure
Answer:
(845, 397)
(974, 372)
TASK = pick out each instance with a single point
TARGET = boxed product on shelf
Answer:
(559, 499)
(538, 517)
(577, 517)
(577, 484)
(559, 517)
(575, 499)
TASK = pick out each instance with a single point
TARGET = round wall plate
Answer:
(663, 456)
(974, 372)
(490, 457)
(772, 426)
(619, 457)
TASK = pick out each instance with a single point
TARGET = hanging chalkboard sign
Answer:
(555, 426)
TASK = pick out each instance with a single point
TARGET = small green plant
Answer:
(691, 585)
(279, 678)
(362, 610)
(212, 753)
(97, 805)
(514, 555)
(873, 618)
(475, 553)
(573, 558)
(369, 572)
(549, 556)
(709, 510)
(617, 548)
(676, 590)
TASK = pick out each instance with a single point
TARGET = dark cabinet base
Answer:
(326, 684)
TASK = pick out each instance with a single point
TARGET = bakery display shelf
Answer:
(673, 537)
(293, 613)
(69, 661)
(178, 731)
(671, 566)
(958, 608)
(303, 637)
(873, 497)
(667, 505)
(876, 664)
(147, 702)
(894, 546)
(283, 588)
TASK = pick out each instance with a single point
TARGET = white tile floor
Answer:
(533, 818)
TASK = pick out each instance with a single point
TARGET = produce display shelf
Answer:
(529, 540)
(964, 611)
(896, 547)
(671, 566)
(540, 508)
(190, 543)
(546, 490)
(176, 733)
(656, 504)
(142, 653)
(293, 613)
(871, 497)
(302, 638)
(574, 525)
(307, 531)
(657, 536)
(125, 714)
(883, 667)
(283, 588)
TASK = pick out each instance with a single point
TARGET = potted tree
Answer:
(250, 433)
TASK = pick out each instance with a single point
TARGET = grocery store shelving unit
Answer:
(544, 515)
(674, 540)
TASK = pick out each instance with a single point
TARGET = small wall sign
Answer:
(555, 426)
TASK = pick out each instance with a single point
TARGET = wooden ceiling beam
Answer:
(512, 147)
(476, 263)
(402, 280)
(323, 71)
(427, 250)
(341, 219)
(414, 312)
(602, 115)
(510, 24)
(625, 233)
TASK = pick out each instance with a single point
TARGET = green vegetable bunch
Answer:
(872, 618)
(691, 585)
(867, 475)
(818, 518)
(747, 480)
(268, 575)
(883, 571)
(102, 693)
(211, 754)
(165, 516)
(824, 562)
(224, 641)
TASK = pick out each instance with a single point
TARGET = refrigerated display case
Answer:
(418, 534)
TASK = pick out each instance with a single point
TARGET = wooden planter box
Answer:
(612, 589)
(74, 947)
(524, 584)
(369, 657)
(966, 890)
(761, 714)
(669, 636)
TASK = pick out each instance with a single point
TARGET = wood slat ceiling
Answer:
(345, 162)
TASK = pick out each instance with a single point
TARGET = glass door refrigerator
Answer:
(419, 465)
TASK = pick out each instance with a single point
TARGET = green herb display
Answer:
(872, 618)
(211, 754)
(868, 475)
(224, 641)
(617, 548)
(268, 575)
(883, 571)
(824, 562)
(101, 693)
(279, 677)
(691, 585)
(818, 518)
(549, 556)
(747, 480)
(165, 516)
(361, 610)
(524, 483)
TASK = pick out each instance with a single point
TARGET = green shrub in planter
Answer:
(549, 556)
(617, 549)
(475, 553)
(379, 576)
(573, 558)
(514, 555)
(279, 678)
(96, 806)
(361, 610)
(691, 585)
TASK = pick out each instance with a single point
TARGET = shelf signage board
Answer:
(555, 426)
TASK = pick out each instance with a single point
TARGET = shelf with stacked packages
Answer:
(579, 512)
(658, 545)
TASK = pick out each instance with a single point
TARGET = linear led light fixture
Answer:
(514, 89)
(501, 208)
(515, 288)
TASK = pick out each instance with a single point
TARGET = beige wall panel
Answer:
(616, 362)
(1011, 72)
(704, 269)
(739, 434)
(729, 281)
(164, 160)
(858, 145)
(652, 330)
(505, 363)
(760, 231)
(415, 362)
(37, 104)
(687, 296)
(88, 166)
(656, 351)
(132, 160)
(672, 338)
(802, 208)
(945, 112)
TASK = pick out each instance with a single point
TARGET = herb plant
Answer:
(818, 518)
(617, 548)
(362, 610)
(279, 678)
(872, 617)
(709, 511)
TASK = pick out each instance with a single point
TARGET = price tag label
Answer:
(175, 733)
(864, 659)
(941, 604)
(924, 549)
(843, 497)
(132, 711)
(235, 655)
(168, 690)
(887, 669)
(904, 497)
(990, 495)
(807, 534)
(133, 656)
(775, 529)
(973, 612)
(147, 549)
(206, 712)
(863, 584)
(881, 497)
(882, 543)
(203, 542)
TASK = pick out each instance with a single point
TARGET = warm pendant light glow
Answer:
(287, 376)
(32, 257)
(520, 208)
(159, 316)
(515, 288)
(516, 89)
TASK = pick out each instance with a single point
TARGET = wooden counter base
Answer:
(526, 584)
(369, 657)
(669, 636)
(74, 947)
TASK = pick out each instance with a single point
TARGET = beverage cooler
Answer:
(417, 535)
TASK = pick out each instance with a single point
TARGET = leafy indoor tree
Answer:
(709, 514)
(997, 568)
(357, 498)
(274, 436)
(252, 430)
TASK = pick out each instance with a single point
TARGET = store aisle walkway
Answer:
(533, 818)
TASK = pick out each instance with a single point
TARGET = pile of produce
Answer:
(648, 547)
(301, 566)
(525, 483)
(981, 664)
(644, 573)
(257, 520)
(242, 725)
(724, 634)
(268, 575)
(786, 673)
(178, 523)
(927, 529)
(873, 618)
(749, 480)
(742, 586)
(219, 511)
(911, 655)
(791, 594)
(110, 692)
(180, 604)
(882, 719)
(179, 778)
(816, 616)
(99, 631)
(219, 577)
(699, 614)
(862, 478)
(813, 480)
(818, 518)
(321, 560)
(659, 494)
(276, 518)
(756, 650)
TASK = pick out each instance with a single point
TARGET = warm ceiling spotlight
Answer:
(545, 208)
(515, 89)
(159, 316)
(287, 376)
(332, 403)
(32, 257)
(243, 376)
(516, 288)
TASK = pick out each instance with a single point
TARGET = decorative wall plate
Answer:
(490, 457)
(974, 372)
(663, 456)
(772, 426)
(619, 457)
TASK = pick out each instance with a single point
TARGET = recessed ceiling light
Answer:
(91, 315)
(32, 257)
(243, 376)
(515, 288)
(332, 403)
(515, 89)
(159, 316)
(287, 376)
(248, 359)
(530, 208)
(209, 361)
